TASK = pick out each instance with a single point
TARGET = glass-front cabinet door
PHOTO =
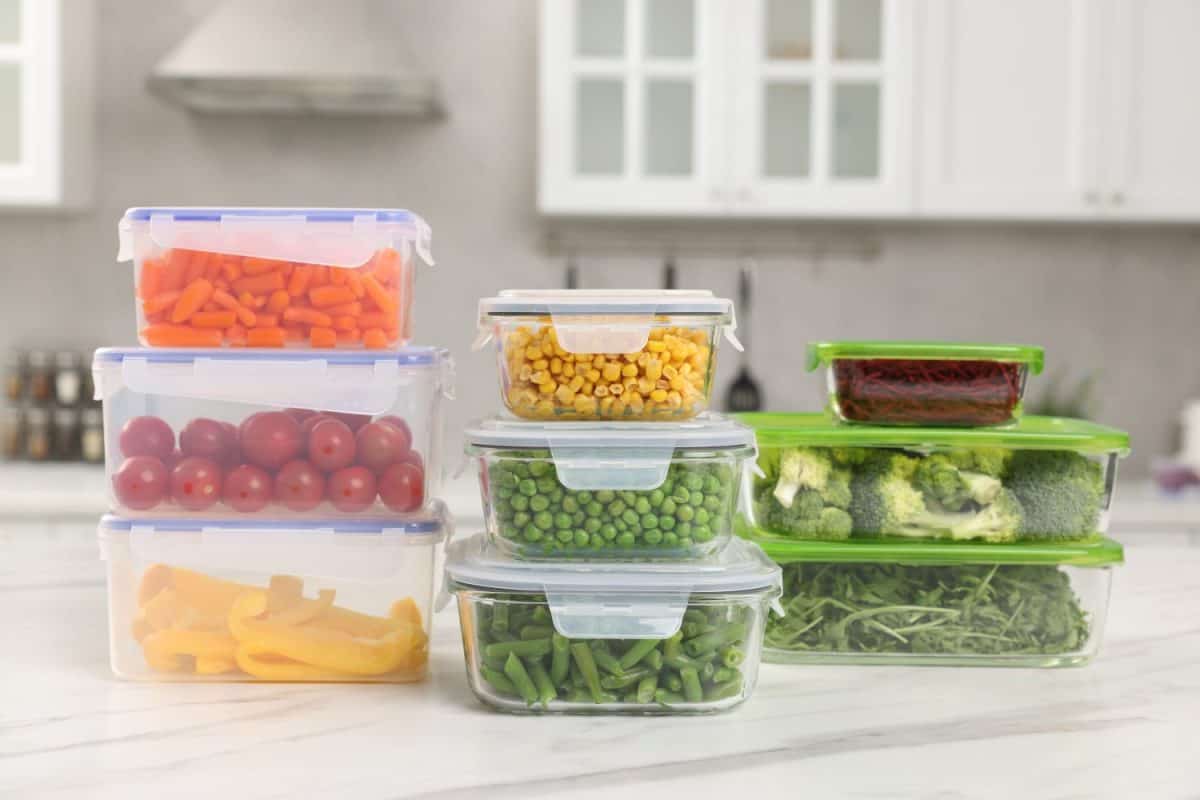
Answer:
(631, 118)
(822, 106)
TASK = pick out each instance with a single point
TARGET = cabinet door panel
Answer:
(1007, 116)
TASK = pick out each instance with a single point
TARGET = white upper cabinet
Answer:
(45, 102)
(1007, 118)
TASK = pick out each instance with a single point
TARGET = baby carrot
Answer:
(386, 261)
(160, 302)
(345, 309)
(151, 277)
(266, 321)
(278, 301)
(212, 269)
(235, 335)
(345, 323)
(167, 335)
(260, 266)
(196, 265)
(294, 333)
(354, 281)
(213, 319)
(173, 273)
(265, 337)
(322, 337)
(193, 298)
(307, 316)
(374, 339)
(226, 300)
(320, 276)
(349, 337)
(231, 270)
(259, 284)
(325, 296)
(385, 301)
(375, 319)
(337, 276)
(298, 283)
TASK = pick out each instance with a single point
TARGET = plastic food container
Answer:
(1043, 479)
(273, 277)
(936, 604)
(926, 383)
(590, 354)
(648, 638)
(306, 600)
(285, 435)
(610, 489)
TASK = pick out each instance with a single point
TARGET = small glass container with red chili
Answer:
(926, 383)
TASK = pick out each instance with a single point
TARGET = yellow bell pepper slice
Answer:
(178, 650)
(262, 663)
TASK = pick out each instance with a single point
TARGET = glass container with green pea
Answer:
(652, 637)
(568, 490)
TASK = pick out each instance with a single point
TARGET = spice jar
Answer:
(66, 434)
(91, 435)
(14, 375)
(41, 378)
(12, 439)
(68, 380)
(37, 434)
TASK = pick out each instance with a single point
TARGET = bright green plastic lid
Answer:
(1029, 433)
(1097, 552)
(825, 352)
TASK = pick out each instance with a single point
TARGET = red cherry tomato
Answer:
(140, 482)
(207, 438)
(247, 488)
(270, 439)
(352, 489)
(299, 485)
(331, 445)
(402, 487)
(401, 426)
(233, 456)
(414, 458)
(299, 414)
(196, 483)
(146, 436)
(311, 422)
(379, 444)
(353, 421)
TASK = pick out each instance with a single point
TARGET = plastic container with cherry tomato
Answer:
(218, 433)
(319, 278)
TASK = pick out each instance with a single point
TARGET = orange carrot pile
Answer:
(192, 298)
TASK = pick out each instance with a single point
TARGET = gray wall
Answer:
(1123, 299)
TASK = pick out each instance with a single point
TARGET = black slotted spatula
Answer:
(744, 393)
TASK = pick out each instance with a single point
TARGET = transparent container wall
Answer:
(710, 664)
(534, 512)
(589, 367)
(1012, 615)
(177, 456)
(199, 298)
(190, 619)
(949, 494)
(898, 391)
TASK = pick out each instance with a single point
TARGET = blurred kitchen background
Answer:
(1024, 171)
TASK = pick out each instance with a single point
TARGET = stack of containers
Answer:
(273, 448)
(927, 521)
(608, 579)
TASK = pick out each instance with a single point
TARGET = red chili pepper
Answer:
(927, 391)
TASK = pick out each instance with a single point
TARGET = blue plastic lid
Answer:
(433, 520)
(405, 356)
(215, 213)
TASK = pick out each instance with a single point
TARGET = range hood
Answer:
(296, 57)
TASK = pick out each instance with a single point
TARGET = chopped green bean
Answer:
(523, 648)
(587, 667)
(732, 657)
(667, 698)
(646, 688)
(691, 685)
(497, 679)
(622, 681)
(516, 673)
(541, 680)
(560, 660)
(724, 689)
(605, 660)
(500, 618)
(712, 640)
(639, 650)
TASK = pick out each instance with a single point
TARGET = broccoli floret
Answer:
(884, 498)
(834, 523)
(807, 518)
(992, 461)
(848, 456)
(801, 468)
(837, 491)
(1062, 493)
(951, 487)
(1000, 521)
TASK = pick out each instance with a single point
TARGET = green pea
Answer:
(653, 537)
(617, 508)
(681, 495)
(539, 502)
(506, 477)
(532, 533)
(620, 525)
(648, 521)
(519, 468)
(625, 540)
(702, 516)
(668, 507)
(656, 498)
(594, 509)
(693, 482)
(685, 513)
(570, 504)
(684, 529)
(527, 488)
(670, 539)
(504, 493)
(609, 532)
(565, 535)
(712, 485)
(605, 496)
(666, 523)
(713, 503)
(538, 468)
(629, 517)
(521, 519)
(520, 502)
(684, 544)
(583, 498)
(628, 496)
(642, 506)
(562, 520)
(696, 500)
(702, 533)
(582, 538)
(544, 520)
(546, 483)
(556, 496)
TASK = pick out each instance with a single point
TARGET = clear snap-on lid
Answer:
(611, 455)
(362, 382)
(337, 237)
(624, 600)
(333, 548)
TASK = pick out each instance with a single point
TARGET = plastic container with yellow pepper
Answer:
(601, 354)
(302, 600)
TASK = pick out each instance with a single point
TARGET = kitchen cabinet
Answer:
(45, 102)
(706, 107)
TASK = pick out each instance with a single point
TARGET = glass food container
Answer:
(235, 433)
(584, 354)
(611, 638)
(926, 383)
(1043, 479)
(937, 604)
(305, 600)
(273, 277)
(563, 490)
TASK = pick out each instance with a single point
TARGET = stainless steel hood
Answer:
(296, 57)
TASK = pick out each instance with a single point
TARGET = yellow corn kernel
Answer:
(598, 360)
(600, 391)
(533, 352)
(656, 334)
(655, 347)
(592, 375)
(669, 372)
(650, 407)
(635, 402)
(654, 369)
(568, 369)
(698, 360)
(541, 363)
(606, 405)
(630, 358)
(618, 407)
(616, 389)
(564, 395)
(588, 388)
(556, 366)
(585, 405)
(674, 400)
(645, 386)
(547, 387)
(679, 384)
(540, 377)
(544, 408)
(576, 383)
(662, 383)
(658, 395)
(629, 370)
(525, 373)
(583, 358)
(642, 360)
(611, 372)
(685, 370)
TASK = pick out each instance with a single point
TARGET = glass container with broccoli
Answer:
(1043, 479)
(610, 490)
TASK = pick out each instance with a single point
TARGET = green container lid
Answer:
(1097, 552)
(825, 352)
(1029, 433)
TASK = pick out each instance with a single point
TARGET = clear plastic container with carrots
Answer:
(311, 600)
(250, 434)
(273, 277)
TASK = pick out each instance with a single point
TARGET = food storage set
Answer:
(608, 579)
(274, 449)
(925, 521)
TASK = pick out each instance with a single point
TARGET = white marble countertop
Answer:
(1123, 727)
